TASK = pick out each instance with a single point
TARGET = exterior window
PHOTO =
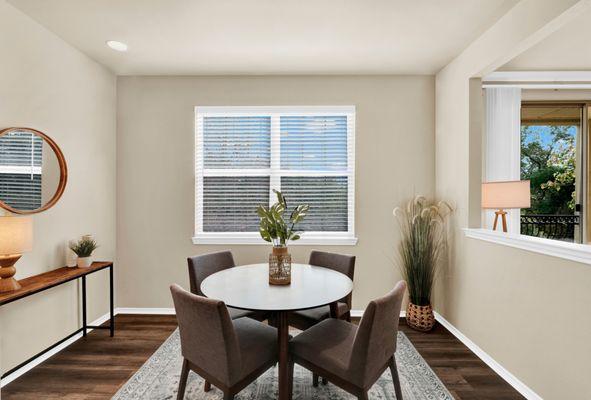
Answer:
(551, 151)
(20, 170)
(243, 153)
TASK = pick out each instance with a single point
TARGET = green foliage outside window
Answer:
(548, 161)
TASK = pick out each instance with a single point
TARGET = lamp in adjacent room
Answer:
(505, 195)
(16, 237)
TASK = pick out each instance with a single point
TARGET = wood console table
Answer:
(48, 280)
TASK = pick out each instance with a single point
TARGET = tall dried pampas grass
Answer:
(423, 226)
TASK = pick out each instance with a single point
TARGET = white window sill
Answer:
(569, 251)
(255, 239)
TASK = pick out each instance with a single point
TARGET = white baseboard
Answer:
(157, 311)
(488, 360)
(359, 313)
(27, 367)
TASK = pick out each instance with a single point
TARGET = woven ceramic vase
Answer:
(420, 318)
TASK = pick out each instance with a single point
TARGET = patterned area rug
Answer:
(158, 379)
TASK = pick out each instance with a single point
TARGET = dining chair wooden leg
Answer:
(395, 378)
(324, 381)
(183, 380)
(348, 316)
(206, 386)
(290, 372)
(334, 310)
(363, 396)
(272, 321)
(228, 396)
(314, 379)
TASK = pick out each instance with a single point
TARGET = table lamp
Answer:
(503, 195)
(16, 237)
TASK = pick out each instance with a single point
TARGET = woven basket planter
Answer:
(420, 318)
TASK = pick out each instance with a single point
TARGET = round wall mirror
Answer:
(33, 171)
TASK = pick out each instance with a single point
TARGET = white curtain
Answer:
(502, 147)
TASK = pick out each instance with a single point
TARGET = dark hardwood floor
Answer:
(96, 366)
(466, 376)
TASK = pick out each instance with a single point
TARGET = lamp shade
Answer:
(16, 235)
(511, 194)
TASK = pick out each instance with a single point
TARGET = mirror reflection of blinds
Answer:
(20, 170)
(21, 191)
(244, 155)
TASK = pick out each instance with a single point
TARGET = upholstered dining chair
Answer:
(228, 353)
(352, 357)
(200, 267)
(344, 264)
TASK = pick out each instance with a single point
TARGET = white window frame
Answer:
(308, 238)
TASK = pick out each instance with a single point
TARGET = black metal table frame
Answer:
(84, 328)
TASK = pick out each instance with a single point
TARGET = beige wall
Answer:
(522, 308)
(47, 85)
(155, 188)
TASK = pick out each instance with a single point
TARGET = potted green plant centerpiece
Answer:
(421, 248)
(83, 249)
(274, 229)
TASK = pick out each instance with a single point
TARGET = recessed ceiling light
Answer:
(117, 46)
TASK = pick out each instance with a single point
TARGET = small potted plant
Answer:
(423, 244)
(274, 229)
(83, 249)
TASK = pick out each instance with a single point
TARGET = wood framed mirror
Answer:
(33, 171)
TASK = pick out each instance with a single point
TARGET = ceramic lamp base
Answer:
(7, 271)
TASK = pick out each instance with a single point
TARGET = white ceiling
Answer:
(188, 37)
(564, 50)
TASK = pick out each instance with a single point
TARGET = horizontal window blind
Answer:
(21, 191)
(237, 142)
(327, 198)
(314, 143)
(20, 170)
(229, 203)
(243, 153)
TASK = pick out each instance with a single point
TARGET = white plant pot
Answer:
(84, 262)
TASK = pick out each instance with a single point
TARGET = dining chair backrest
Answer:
(342, 263)
(208, 339)
(375, 340)
(200, 267)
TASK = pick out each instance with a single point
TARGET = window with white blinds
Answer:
(20, 170)
(243, 153)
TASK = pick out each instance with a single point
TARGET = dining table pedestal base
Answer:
(282, 321)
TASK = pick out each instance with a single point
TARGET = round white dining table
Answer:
(247, 287)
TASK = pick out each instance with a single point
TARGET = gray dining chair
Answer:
(344, 264)
(352, 357)
(228, 353)
(200, 267)
(304, 319)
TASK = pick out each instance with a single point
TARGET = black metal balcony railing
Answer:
(560, 227)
